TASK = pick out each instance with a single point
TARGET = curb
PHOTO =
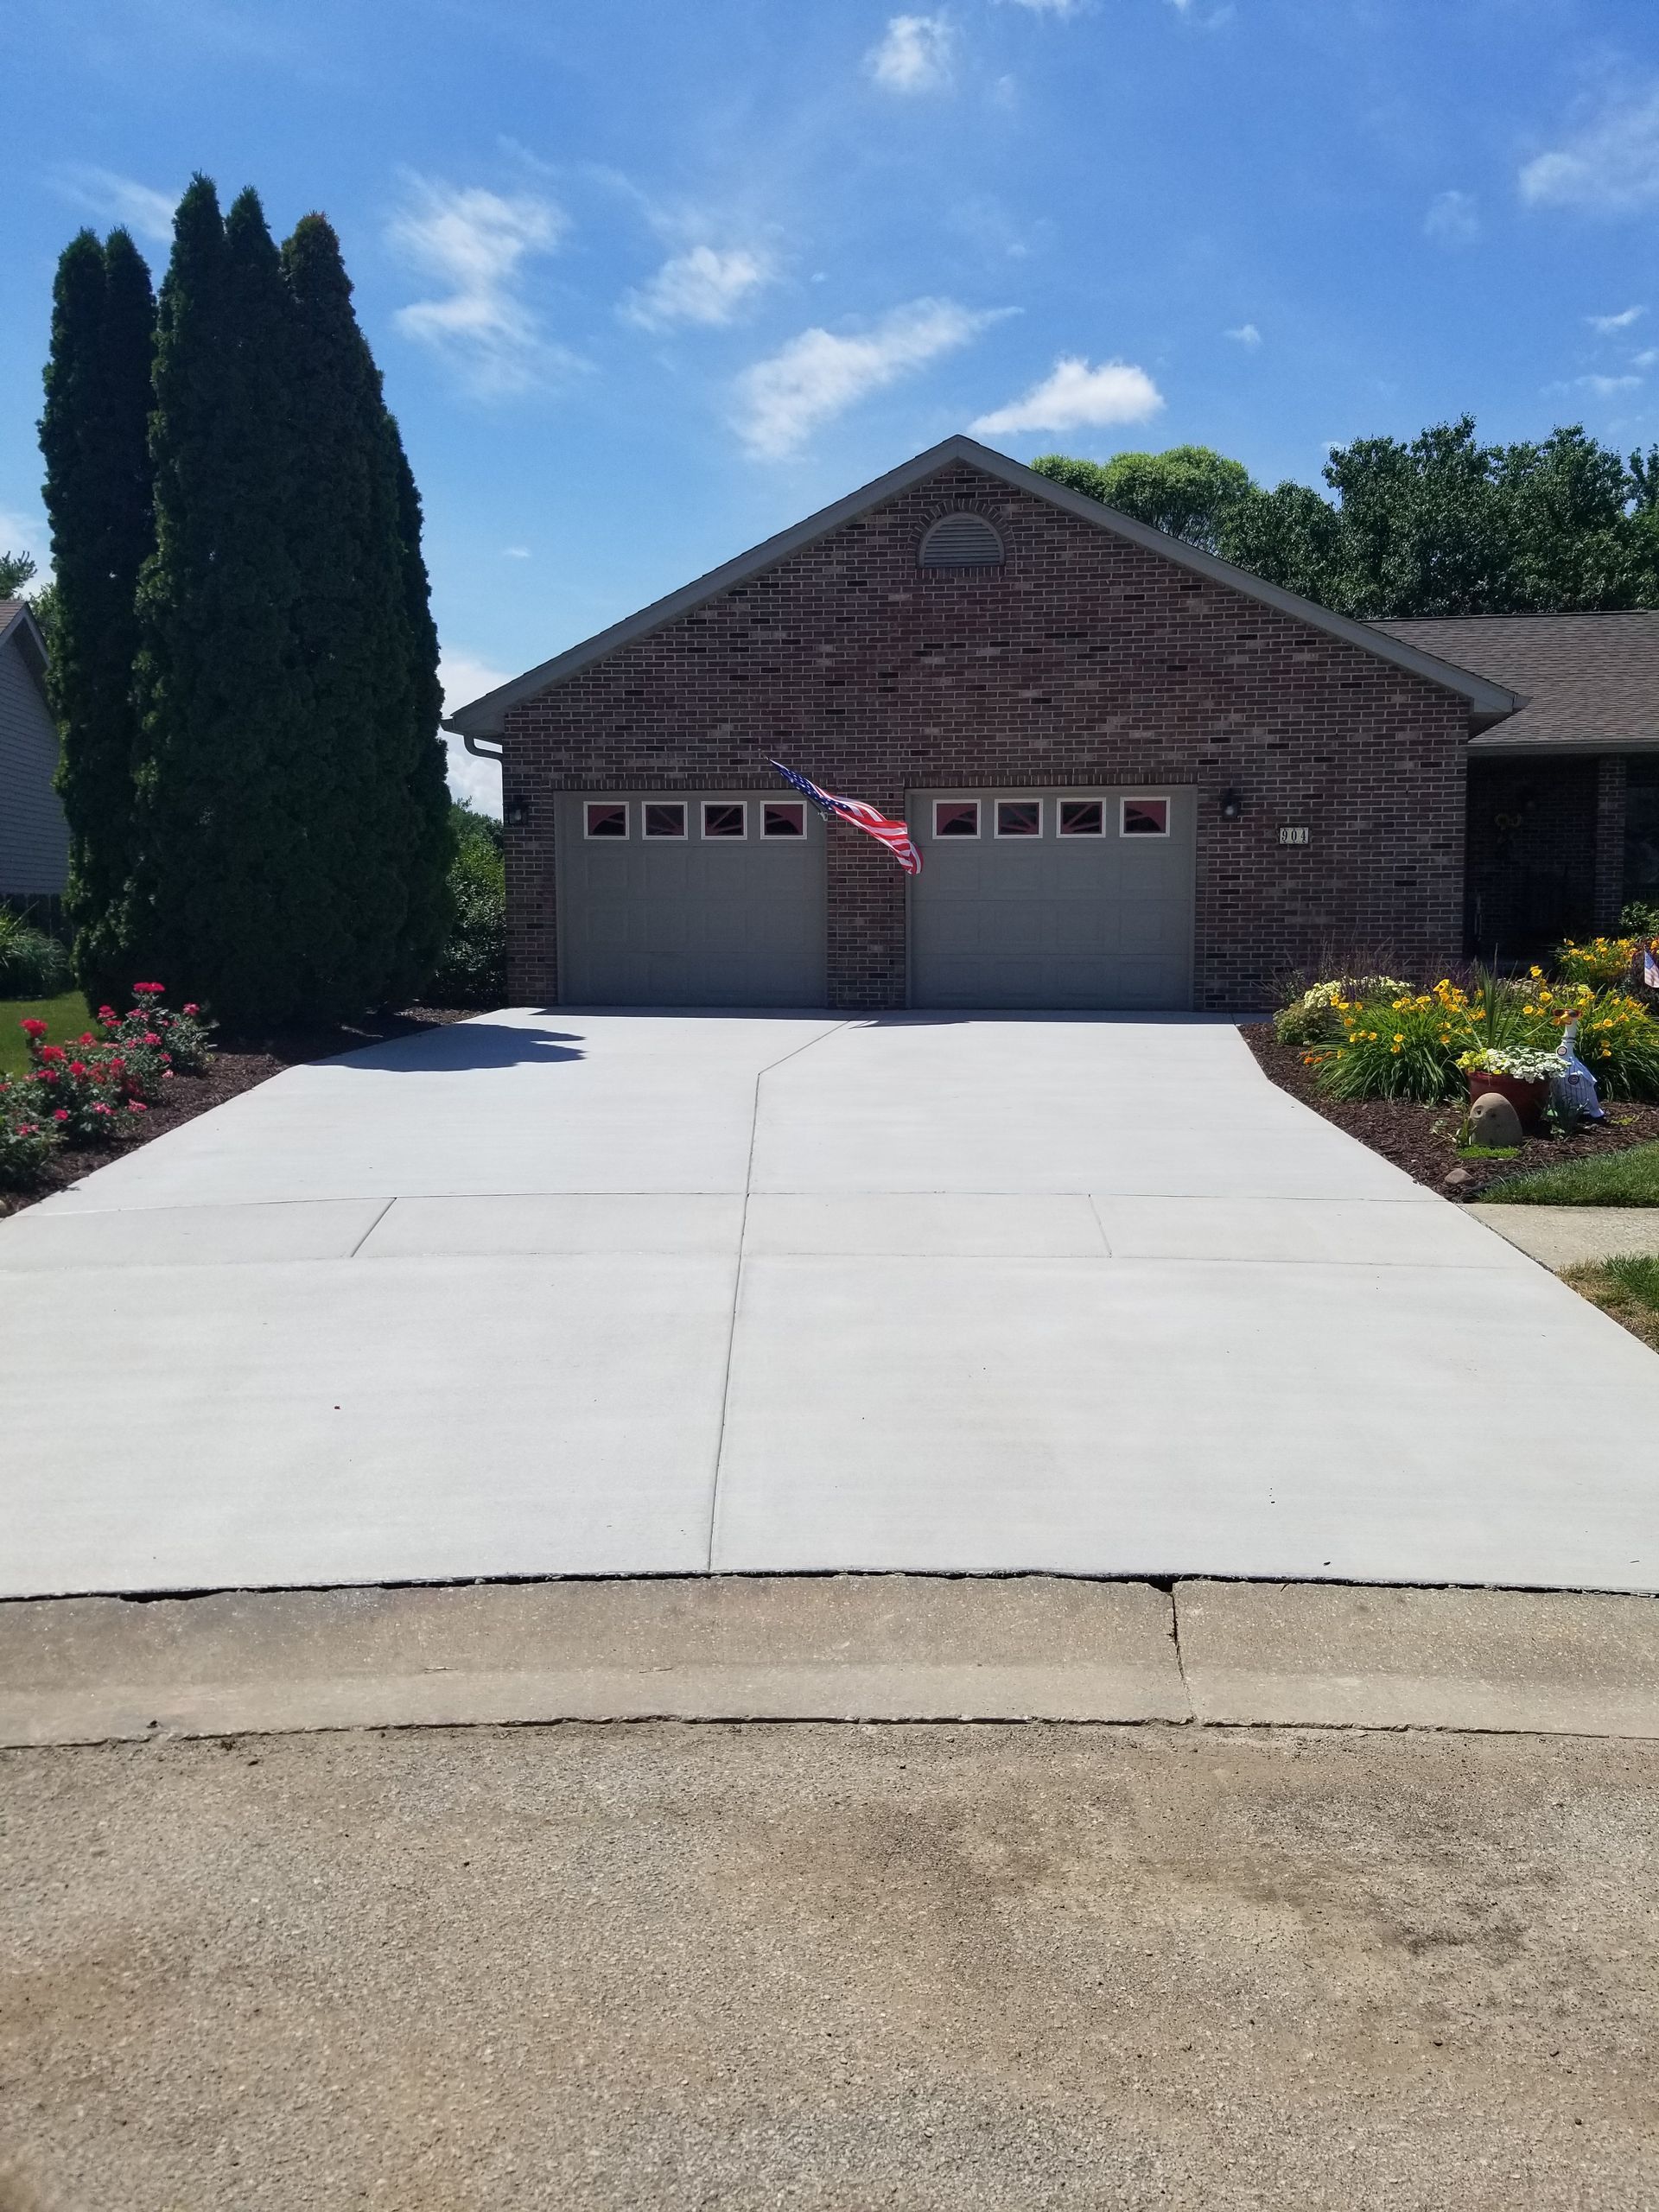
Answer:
(863, 1647)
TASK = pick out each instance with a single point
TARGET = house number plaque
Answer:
(1301, 836)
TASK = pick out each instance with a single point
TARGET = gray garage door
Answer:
(714, 899)
(1075, 898)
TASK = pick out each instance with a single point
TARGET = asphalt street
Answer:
(671, 1966)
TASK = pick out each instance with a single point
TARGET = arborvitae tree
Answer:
(94, 438)
(431, 848)
(370, 649)
(226, 876)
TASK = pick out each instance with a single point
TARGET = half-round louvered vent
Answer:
(961, 542)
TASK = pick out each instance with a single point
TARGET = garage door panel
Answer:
(693, 922)
(1071, 923)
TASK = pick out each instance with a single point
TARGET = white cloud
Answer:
(1061, 7)
(1606, 387)
(702, 285)
(465, 679)
(820, 373)
(515, 552)
(1452, 219)
(1076, 396)
(915, 55)
(474, 242)
(144, 210)
(1246, 335)
(1610, 165)
(1649, 359)
(1609, 323)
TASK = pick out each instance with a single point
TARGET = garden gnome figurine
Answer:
(1493, 1122)
(1573, 1094)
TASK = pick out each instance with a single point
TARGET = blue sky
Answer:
(650, 279)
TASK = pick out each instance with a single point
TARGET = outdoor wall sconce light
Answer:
(1232, 805)
(516, 812)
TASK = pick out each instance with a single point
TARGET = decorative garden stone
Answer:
(1493, 1122)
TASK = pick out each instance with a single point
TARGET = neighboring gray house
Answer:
(34, 836)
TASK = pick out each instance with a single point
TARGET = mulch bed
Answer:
(237, 1065)
(1422, 1139)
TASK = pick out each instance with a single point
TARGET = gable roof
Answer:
(1592, 680)
(18, 627)
(485, 717)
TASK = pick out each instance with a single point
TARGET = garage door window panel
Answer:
(665, 818)
(784, 818)
(1083, 817)
(1144, 817)
(604, 818)
(1019, 817)
(725, 818)
(955, 818)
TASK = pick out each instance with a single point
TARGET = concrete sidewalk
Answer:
(630, 1294)
(1572, 1236)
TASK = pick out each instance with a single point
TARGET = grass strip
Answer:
(1607, 1178)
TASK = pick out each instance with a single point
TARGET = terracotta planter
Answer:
(1526, 1094)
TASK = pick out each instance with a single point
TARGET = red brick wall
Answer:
(1085, 660)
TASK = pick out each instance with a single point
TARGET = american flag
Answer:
(895, 835)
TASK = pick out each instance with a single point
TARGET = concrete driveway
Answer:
(584, 1293)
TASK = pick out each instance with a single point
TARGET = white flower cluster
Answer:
(1524, 1062)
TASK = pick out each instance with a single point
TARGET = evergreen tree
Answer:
(225, 862)
(94, 439)
(348, 617)
(370, 649)
(431, 847)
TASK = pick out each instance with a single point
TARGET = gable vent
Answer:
(961, 542)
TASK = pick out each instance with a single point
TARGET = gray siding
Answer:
(34, 836)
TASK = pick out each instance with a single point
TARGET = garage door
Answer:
(1074, 898)
(715, 898)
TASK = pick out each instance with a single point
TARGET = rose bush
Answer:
(97, 1089)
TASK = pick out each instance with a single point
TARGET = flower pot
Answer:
(1526, 1094)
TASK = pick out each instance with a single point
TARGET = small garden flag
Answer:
(1650, 969)
(895, 835)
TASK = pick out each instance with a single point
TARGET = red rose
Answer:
(33, 1028)
(62, 1114)
(148, 990)
(52, 1052)
(134, 1106)
(192, 1007)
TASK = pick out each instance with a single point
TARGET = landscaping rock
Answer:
(1494, 1123)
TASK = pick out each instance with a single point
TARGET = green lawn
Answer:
(65, 1018)
(1612, 1179)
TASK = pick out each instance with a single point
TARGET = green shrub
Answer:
(1618, 1042)
(472, 969)
(1603, 962)
(32, 964)
(1641, 919)
(25, 1142)
(1405, 1047)
(1311, 1017)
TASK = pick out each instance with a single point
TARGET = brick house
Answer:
(1563, 795)
(1139, 777)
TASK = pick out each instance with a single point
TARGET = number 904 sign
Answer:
(1301, 836)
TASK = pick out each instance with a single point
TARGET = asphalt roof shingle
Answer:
(1591, 681)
